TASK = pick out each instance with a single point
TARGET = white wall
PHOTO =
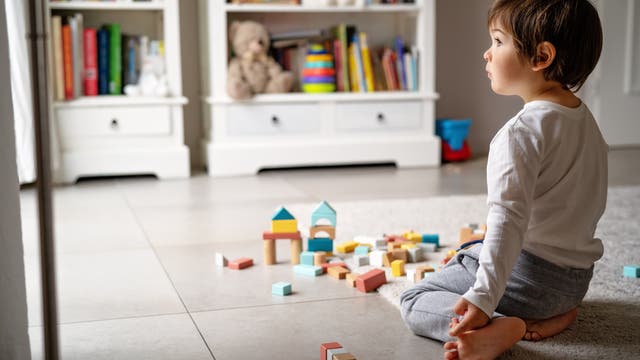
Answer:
(14, 338)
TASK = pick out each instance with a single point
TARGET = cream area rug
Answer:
(608, 324)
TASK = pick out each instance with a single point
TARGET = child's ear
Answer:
(545, 54)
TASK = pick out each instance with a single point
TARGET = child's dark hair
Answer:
(572, 26)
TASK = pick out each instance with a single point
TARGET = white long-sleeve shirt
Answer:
(547, 189)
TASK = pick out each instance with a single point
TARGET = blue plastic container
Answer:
(453, 131)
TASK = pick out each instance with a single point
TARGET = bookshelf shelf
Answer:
(330, 97)
(302, 129)
(115, 5)
(239, 8)
(111, 135)
(119, 100)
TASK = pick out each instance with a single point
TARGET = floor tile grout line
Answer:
(115, 319)
(164, 269)
(281, 304)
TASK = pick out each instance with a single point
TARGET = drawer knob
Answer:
(114, 124)
(380, 117)
(275, 120)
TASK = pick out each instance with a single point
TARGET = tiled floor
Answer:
(137, 279)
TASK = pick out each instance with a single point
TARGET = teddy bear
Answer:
(251, 71)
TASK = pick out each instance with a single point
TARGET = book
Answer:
(115, 59)
(67, 58)
(338, 64)
(357, 51)
(130, 55)
(353, 72)
(78, 55)
(90, 62)
(408, 71)
(102, 36)
(366, 63)
(399, 47)
(73, 27)
(58, 63)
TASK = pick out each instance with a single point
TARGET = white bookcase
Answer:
(116, 134)
(299, 129)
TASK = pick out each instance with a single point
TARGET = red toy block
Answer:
(449, 154)
(268, 235)
(326, 266)
(327, 346)
(240, 263)
(371, 280)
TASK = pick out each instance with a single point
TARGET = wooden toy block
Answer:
(336, 351)
(427, 247)
(269, 235)
(325, 267)
(337, 272)
(408, 245)
(412, 236)
(371, 280)
(324, 211)
(465, 235)
(361, 250)
(394, 245)
(425, 268)
(221, 261)
(296, 249)
(631, 271)
(327, 229)
(319, 258)
(448, 257)
(411, 275)
(269, 252)
(284, 226)
(400, 254)
(415, 255)
(345, 356)
(350, 279)
(282, 214)
(346, 247)
(394, 238)
(281, 288)
(397, 268)
(327, 346)
(431, 239)
(380, 243)
(387, 258)
(320, 244)
(307, 270)
(360, 260)
(240, 263)
(375, 258)
(306, 258)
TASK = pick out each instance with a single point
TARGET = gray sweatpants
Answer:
(537, 289)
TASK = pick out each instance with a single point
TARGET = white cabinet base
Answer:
(164, 162)
(227, 159)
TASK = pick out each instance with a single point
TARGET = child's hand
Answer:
(474, 318)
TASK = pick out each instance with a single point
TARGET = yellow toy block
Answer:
(412, 236)
(408, 246)
(346, 247)
(397, 268)
(284, 226)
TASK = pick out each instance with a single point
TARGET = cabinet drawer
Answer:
(273, 119)
(118, 121)
(378, 116)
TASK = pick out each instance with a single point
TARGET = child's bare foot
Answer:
(487, 342)
(540, 329)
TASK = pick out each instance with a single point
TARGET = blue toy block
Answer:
(282, 214)
(323, 211)
(454, 132)
(320, 244)
(306, 258)
(361, 250)
(431, 239)
(307, 270)
(281, 288)
(631, 271)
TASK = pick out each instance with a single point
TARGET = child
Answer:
(547, 188)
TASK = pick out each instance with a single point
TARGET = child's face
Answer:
(508, 73)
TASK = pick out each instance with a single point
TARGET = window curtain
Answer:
(19, 59)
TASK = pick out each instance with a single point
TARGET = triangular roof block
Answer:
(282, 214)
(323, 211)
